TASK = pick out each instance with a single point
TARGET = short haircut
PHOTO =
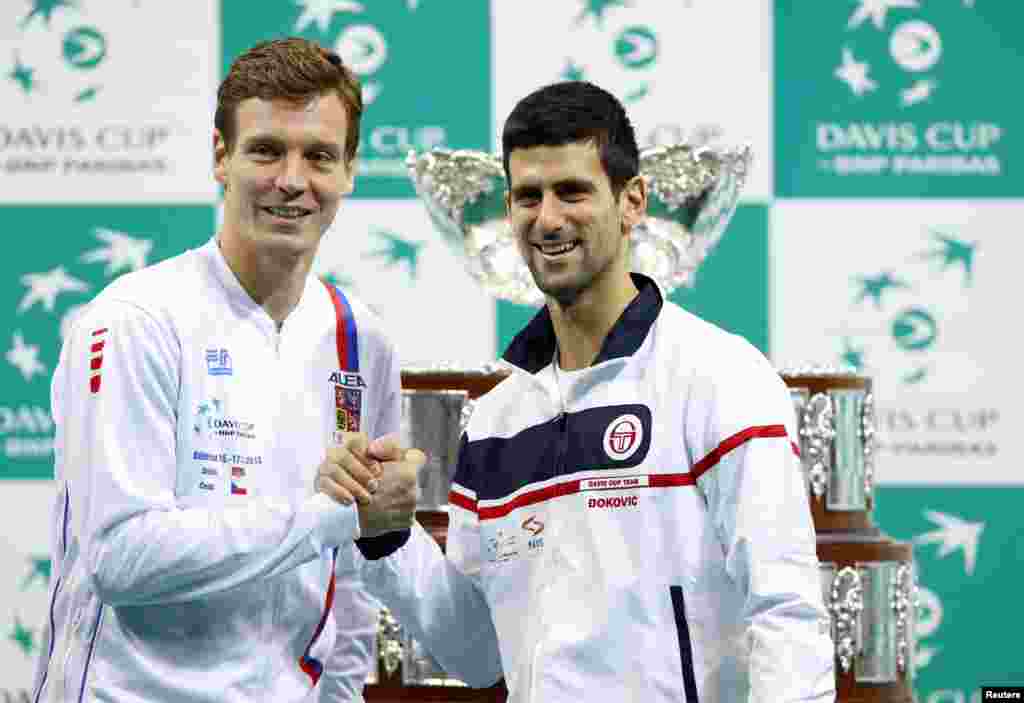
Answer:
(290, 69)
(575, 111)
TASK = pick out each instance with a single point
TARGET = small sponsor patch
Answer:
(623, 437)
(348, 407)
(218, 362)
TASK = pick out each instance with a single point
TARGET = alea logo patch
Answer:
(348, 380)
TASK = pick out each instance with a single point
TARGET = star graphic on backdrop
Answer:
(322, 11)
(637, 93)
(121, 252)
(572, 71)
(876, 9)
(45, 287)
(397, 250)
(45, 8)
(41, 570)
(22, 636)
(87, 94)
(915, 375)
(874, 286)
(22, 75)
(952, 252)
(597, 8)
(852, 356)
(855, 74)
(919, 92)
(336, 278)
(25, 357)
(954, 533)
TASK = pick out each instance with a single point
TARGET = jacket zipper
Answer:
(563, 442)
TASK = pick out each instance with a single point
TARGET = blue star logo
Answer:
(874, 286)
(45, 9)
(852, 356)
(23, 637)
(597, 8)
(397, 250)
(22, 75)
(572, 71)
(953, 252)
(41, 569)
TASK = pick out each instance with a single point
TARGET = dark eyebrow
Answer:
(261, 139)
(329, 147)
(566, 185)
(575, 185)
(267, 138)
(525, 189)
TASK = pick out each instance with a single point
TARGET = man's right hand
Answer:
(348, 472)
(380, 477)
(394, 502)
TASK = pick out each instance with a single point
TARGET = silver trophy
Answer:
(694, 186)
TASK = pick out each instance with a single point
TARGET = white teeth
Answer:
(287, 211)
(555, 249)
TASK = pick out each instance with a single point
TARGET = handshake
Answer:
(380, 476)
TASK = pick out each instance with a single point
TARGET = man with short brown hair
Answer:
(201, 406)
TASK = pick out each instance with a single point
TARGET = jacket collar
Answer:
(534, 347)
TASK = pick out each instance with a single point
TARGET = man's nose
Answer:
(549, 217)
(292, 177)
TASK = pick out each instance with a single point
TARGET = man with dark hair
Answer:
(204, 408)
(628, 517)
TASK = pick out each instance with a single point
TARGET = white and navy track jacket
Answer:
(641, 534)
(192, 560)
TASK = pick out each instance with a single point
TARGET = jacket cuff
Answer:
(374, 548)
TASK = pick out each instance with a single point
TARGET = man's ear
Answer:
(633, 202)
(220, 156)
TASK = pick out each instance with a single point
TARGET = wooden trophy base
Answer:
(860, 548)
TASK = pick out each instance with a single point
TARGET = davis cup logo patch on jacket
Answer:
(623, 437)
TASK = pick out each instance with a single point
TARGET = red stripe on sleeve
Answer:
(733, 442)
(462, 501)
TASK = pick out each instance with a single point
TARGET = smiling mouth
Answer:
(288, 212)
(555, 249)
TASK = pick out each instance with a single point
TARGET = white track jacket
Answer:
(191, 559)
(635, 531)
